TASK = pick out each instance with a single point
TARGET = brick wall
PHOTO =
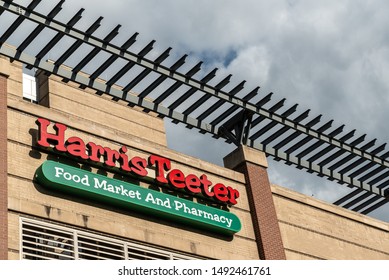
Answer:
(3, 169)
(267, 230)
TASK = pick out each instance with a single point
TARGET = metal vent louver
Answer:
(46, 241)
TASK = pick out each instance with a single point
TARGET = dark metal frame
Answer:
(307, 143)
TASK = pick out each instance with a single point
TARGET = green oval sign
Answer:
(96, 187)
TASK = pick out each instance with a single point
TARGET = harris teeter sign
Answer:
(96, 187)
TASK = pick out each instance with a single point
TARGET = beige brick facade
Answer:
(110, 124)
(3, 168)
(312, 229)
(306, 226)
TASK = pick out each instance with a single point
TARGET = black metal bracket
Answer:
(237, 129)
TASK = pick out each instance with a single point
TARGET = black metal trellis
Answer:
(283, 133)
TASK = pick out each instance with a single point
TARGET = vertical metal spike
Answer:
(163, 56)
(75, 18)
(33, 5)
(219, 103)
(194, 70)
(56, 10)
(178, 63)
(302, 117)
(209, 76)
(129, 42)
(223, 82)
(264, 100)
(112, 34)
(290, 111)
(94, 26)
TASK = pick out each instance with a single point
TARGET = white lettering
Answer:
(150, 198)
(85, 180)
(76, 178)
(110, 188)
(158, 201)
(99, 185)
(123, 191)
(177, 205)
(134, 194)
(229, 222)
(187, 210)
(58, 171)
(67, 176)
(181, 206)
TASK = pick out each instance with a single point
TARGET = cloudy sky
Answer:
(328, 56)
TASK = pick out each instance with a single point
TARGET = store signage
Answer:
(99, 188)
(136, 166)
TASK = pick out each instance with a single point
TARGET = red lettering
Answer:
(176, 178)
(193, 183)
(205, 184)
(124, 159)
(221, 192)
(162, 165)
(95, 151)
(233, 194)
(45, 138)
(138, 166)
(76, 147)
(111, 156)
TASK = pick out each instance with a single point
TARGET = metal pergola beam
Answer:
(198, 85)
(296, 140)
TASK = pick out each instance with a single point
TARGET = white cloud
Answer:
(252, 64)
(330, 56)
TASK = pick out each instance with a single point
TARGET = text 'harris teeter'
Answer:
(135, 166)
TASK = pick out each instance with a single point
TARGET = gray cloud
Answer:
(329, 56)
